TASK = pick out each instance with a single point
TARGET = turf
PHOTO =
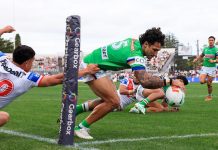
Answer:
(194, 127)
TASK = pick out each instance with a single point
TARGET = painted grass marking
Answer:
(149, 138)
(39, 138)
(78, 145)
(29, 136)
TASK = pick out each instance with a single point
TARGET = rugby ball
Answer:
(175, 97)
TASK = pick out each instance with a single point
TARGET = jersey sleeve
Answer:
(34, 78)
(216, 55)
(124, 82)
(137, 63)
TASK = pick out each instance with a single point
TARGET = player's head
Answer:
(151, 42)
(183, 79)
(211, 41)
(24, 56)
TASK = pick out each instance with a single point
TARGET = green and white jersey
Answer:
(209, 53)
(117, 55)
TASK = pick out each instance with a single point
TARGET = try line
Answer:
(78, 145)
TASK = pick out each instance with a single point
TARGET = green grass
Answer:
(37, 111)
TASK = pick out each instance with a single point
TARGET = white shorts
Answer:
(89, 77)
(210, 71)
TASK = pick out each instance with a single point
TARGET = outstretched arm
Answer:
(58, 78)
(51, 80)
(7, 29)
(90, 69)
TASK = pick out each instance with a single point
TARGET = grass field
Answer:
(34, 116)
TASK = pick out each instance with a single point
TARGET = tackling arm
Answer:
(90, 69)
(51, 80)
(58, 78)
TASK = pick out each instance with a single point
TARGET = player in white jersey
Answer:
(16, 77)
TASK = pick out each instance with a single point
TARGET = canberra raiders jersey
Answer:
(209, 53)
(14, 81)
(126, 99)
(117, 55)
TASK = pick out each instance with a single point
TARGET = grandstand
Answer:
(163, 61)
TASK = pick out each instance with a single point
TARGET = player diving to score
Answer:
(128, 53)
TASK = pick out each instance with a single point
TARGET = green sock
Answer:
(84, 123)
(145, 101)
(79, 109)
(82, 108)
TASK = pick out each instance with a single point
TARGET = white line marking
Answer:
(42, 139)
(30, 136)
(149, 138)
(78, 145)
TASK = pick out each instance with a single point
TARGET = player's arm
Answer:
(58, 78)
(90, 69)
(149, 81)
(124, 91)
(214, 60)
(51, 80)
(7, 29)
(200, 57)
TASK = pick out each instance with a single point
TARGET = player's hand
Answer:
(174, 109)
(212, 61)
(178, 83)
(8, 29)
(92, 68)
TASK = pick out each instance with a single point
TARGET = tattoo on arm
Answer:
(147, 80)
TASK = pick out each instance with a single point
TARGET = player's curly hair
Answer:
(151, 36)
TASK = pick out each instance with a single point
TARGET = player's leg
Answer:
(209, 88)
(211, 71)
(88, 105)
(203, 75)
(154, 107)
(202, 78)
(105, 89)
(4, 117)
(148, 95)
